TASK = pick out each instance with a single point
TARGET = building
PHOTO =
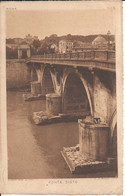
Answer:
(100, 42)
(55, 48)
(112, 45)
(18, 40)
(81, 46)
(65, 46)
(23, 51)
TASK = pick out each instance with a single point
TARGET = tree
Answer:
(69, 36)
(45, 48)
(36, 44)
(53, 36)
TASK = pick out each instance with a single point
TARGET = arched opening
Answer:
(75, 99)
(47, 83)
(34, 76)
(24, 54)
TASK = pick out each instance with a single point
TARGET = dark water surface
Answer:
(34, 151)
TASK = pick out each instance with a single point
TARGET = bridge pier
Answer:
(53, 104)
(35, 88)
(93, 140)
(92, 153)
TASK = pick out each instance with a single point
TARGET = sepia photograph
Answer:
(61, 93)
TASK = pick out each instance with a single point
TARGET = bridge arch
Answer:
(47, 81)
(76, 95)
(113, 122)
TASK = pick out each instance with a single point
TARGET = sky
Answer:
(44, 23)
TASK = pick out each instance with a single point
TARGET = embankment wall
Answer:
(18, 74)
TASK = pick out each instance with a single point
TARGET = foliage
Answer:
(45, 48)
(10, 41)
(11, 53)
(36, 44)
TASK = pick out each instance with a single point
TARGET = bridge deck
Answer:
(104, 60)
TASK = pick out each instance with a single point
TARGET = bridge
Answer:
(89, 76)
(80, 84)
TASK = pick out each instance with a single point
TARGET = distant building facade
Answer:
(100, 43)
(55, 48)
(65, 46)
(82, 46)
(18, 40)
(23, 51)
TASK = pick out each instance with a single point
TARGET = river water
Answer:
(34, 151)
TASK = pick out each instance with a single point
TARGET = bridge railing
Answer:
(85, 55)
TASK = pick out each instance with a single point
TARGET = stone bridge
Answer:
(84, 80)
(83, 83)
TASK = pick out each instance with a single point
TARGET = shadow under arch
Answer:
(34, 76)
(76, 96)
(114, 142)
(47, 82)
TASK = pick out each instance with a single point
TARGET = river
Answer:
(34, 151)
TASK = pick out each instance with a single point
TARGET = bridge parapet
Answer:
(92, 59)
(89, 54)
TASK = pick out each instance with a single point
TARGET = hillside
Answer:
(55, 38)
